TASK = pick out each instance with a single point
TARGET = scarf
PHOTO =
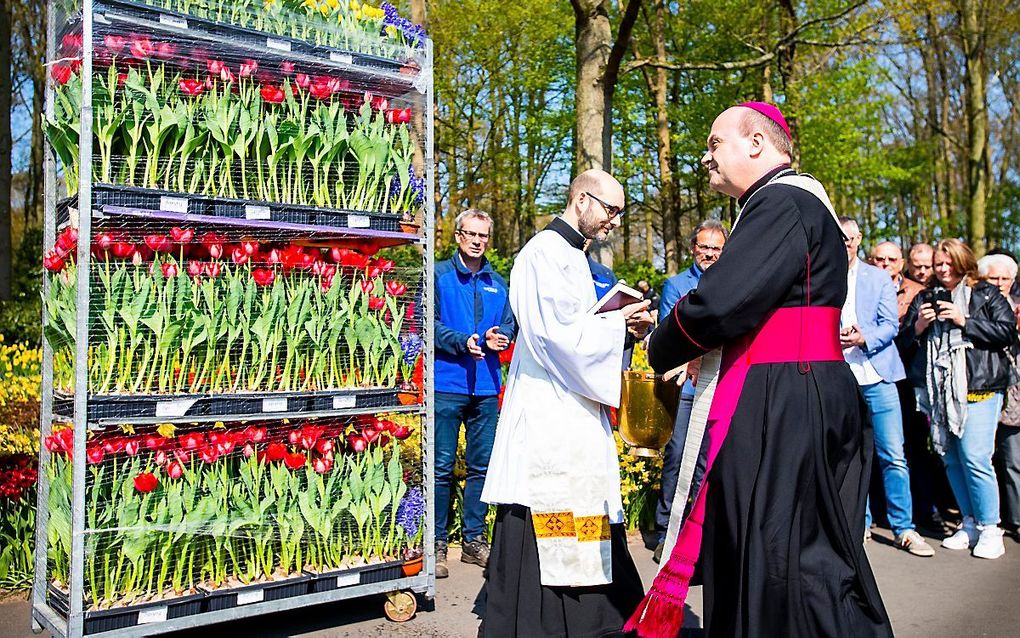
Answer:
(945, 375)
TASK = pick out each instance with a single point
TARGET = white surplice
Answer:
(554, 450)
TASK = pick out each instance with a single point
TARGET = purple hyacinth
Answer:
(411, 510)
(411, 345)
(417, 187)
(413, 33)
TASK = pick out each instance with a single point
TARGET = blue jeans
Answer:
(969, 462)
(672, 456)
(883, 401)
(478, 414)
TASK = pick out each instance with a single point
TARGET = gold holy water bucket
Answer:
(647, 412)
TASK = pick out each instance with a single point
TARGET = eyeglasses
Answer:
(473, 235)
(883, 260)
(708, 248)
(612, 210)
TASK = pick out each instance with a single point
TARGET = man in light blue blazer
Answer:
(868, 324)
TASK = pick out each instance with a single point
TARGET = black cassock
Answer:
(782, 551)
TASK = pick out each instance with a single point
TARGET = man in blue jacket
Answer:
(707, 241)
(473, 324)
(868, 324)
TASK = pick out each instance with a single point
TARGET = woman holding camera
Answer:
(960, 329)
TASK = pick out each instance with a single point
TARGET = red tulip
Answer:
(146, 482)
(114, 43)
(275, 256)
(114, 445)
(155, 442)
(208, 454)
(248, 450)
(169, 270)
(132, 446)
(160, 458)
(212, 270)
(294, 461)
(376, 303)
(248, 68)
(395, 288)
(103, 241)
(255, 434)
(53, 262)
(215, 250)
(370, 434)
(263, 276)
(159, 243)
(140, 47)
(174, 470)
(191, 87)
(215, 438)
(51, 444)
(192, 441)
(182, 456)
(295, 257)
(379, 103)
(61, 73)
(383, 439)
(400, 432)
(287, 67)
(165, 50)
(194, 269)
(94, 454)
(324, 446)
(273, 94)
(182, 235)
(123, 250)
(367, 286)
(238, 256)
(357, 443)
(384, 265)
(67, 240)
(321, 466)
(338, 254)
(215, 67)
(354, 260)
(320, 90)
(373, 271)
(276, 451)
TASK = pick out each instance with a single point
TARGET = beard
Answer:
(591, 227)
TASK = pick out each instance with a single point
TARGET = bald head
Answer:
(920, 262)
(742, 146)
(888, 256)
(595, 204)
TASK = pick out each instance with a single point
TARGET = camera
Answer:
(932, 296)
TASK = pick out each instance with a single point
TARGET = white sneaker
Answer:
(964, 538)
(989, 544)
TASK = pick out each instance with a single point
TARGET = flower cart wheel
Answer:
(400, 606)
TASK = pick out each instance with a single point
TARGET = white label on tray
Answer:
(257, 212)
(358, 221)
(274, 405)
(336, 56)
(248, 597)
(279, 45)
(346, 580)
(174, 407)
(173, 21)
(173, 204)
(344, 401)
(153, 614)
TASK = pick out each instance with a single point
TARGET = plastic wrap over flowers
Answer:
(411, 511)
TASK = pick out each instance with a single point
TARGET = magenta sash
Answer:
(788, 335)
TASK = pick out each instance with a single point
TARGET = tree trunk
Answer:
(976, 110)
(593, 39)
(788, 72)
(929, 57)
(5, 151)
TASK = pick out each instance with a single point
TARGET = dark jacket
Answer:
(990, 328)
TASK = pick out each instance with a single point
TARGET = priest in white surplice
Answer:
(559, 564)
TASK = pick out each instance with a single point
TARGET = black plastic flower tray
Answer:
(361, 575)
(175, 202)
(121, 618)
(266, 44)
(217, 599)
(117, 407)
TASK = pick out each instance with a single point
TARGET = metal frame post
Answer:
(428, 224)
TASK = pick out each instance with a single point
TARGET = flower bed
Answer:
(171, 510)
(177, 312)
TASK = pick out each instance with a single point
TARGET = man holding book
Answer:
(559, 563)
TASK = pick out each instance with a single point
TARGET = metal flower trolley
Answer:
(237, 395)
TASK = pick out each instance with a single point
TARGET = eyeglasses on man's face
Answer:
(470, 234)
(708, 248)
(884, 260)
(612, 210)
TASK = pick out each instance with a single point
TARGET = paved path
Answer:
(949, 596)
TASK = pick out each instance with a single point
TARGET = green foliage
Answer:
(20, 317)
(635, 270)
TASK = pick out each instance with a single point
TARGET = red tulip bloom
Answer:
(67, 240)
(160, 458)
(94, 454)
(395, 288)
(169, 270)
(276, 451)
(114, 445)
(400, 432)
(263, 276)
(208, 454)
(248, 68)
(212, 270)
(238, 256)
(373, 271)
(132, 446)
(367, 286)
(155, 442)
(140, 47)
(370, 434)
(114, 43)
(248, 450)
(275, 256)
(61, 73)
(174, 470)
(294, 461)
(215, 438)
(182, 456)
(295, 257)
(123, 250)
(159, 243)
(320, 89)
(146, 482)
(255, 434)
(215, 67)
(321, 466)
(192, 441)
(324, 446)
(376, 303)
(165, 50)
(273, 94)
(385, 265)
(194, 269)
(182, 235)
(103, 241)
(357, 443)
(53, 262)
(191, 87)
